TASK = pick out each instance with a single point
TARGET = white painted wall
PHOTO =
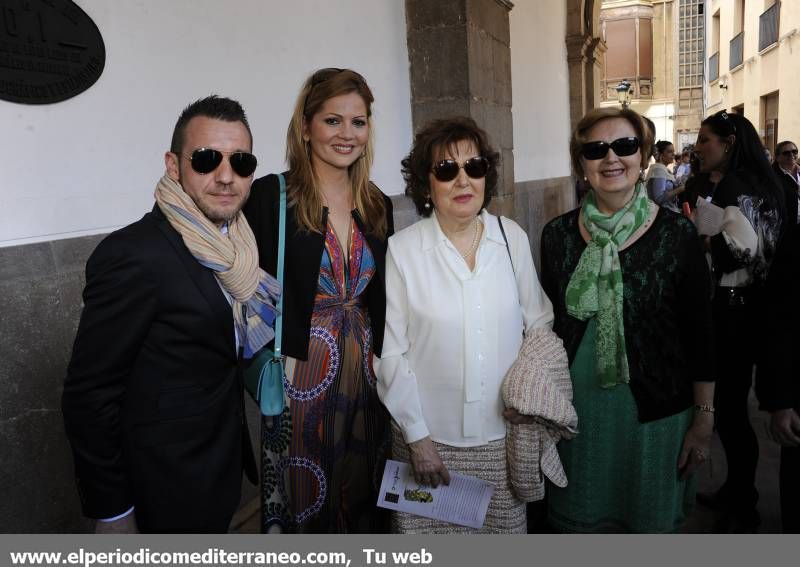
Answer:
(540, 89)
(89, 165)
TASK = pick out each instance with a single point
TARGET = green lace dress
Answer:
(622, 474)
(622, 466)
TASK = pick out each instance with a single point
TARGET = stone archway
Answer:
(584, 56)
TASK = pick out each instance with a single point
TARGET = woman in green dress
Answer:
(631, 294)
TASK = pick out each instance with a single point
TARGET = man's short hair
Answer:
(217, 107)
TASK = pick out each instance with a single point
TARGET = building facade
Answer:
(751, 61)
(691, 41)
(657, 47)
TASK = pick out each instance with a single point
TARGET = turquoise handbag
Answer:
(264, 376)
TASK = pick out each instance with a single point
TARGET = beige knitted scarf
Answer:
(233, 257)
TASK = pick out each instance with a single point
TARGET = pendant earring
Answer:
(428, 203)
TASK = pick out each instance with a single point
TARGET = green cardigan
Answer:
(666, 308)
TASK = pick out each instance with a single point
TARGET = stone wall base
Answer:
(40, 301)
(538, 202)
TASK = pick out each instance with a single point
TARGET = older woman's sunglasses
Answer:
(622, 147)
(206, 160)
(446, 170)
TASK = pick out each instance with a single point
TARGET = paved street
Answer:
(713, 475)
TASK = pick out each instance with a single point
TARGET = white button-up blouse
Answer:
(451, 333)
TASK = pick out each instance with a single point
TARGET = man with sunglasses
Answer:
(787, 170)
(153, 400)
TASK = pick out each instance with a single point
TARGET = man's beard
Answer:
(215, 217)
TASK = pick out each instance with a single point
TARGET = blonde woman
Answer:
(322, 459)
(630, 290)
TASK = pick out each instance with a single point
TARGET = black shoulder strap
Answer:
(503, 231)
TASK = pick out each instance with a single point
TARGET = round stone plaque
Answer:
(50, 50)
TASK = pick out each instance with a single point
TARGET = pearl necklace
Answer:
(475, 241)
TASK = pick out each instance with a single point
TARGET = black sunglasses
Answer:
(621, 146)
(206, 160)
(789, 152)
(447, 169)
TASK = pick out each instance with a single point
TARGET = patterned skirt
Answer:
(506, 514)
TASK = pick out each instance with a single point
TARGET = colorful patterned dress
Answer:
(322, 460)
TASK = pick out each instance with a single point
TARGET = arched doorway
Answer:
(584, 56)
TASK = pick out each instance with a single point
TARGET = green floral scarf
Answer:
(595, 288)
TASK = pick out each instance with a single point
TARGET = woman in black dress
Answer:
(742, 183)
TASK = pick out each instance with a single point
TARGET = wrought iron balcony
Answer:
(713, 67)
(737, 51)
(768, 24)
(641, 88)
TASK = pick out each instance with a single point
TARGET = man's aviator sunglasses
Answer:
(206, 160)
(622, 147)
(447, 169)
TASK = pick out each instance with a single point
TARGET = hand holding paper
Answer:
(463, 502)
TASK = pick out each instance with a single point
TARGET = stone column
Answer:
(576, 64)
(594, 70)
(585, 65)
(460, 64)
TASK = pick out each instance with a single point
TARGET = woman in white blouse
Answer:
(460, 290)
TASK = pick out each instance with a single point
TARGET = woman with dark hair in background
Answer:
(662, 188)
(323, 458)
(747, 190)
(787, 170)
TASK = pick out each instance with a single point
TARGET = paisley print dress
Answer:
(323, 458)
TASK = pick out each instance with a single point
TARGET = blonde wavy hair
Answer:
(302, 184)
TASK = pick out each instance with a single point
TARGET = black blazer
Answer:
(153, 399)
(778, 374)
(790, 190)
(302, 262)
